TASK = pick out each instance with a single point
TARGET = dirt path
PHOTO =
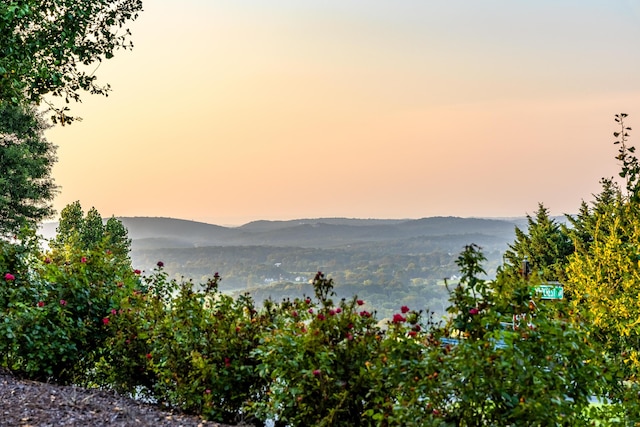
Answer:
(30, 403)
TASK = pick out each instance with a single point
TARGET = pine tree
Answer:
(26, 159)
(545, 245)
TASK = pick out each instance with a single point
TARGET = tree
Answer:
(51, 47)
(117, 237)
(92, 230)
(603, 275)
(26, 159)
(77, 231)
(545, 244)
(71, 219)
(583, 225)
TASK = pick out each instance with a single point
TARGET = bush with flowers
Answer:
(185, 348)
(316, 358)
(79, 314)
(53, 307)
(514, 359)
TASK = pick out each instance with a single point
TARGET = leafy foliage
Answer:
(516, 361)
(55, 309)
(316, 360)
(26, 159)
(79, 314)
(52, 47)
(88, 232)
(603, 281)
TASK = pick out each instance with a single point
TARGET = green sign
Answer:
(550, 291)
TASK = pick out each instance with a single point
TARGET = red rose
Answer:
(398, 318)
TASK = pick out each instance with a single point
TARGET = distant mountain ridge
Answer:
(161, 232)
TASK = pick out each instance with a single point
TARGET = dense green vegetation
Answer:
(52, 47)
(26, 159)
(316, 354)
(47, 49)
(79, 313)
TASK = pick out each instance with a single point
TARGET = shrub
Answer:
(316, 359)
(537, 369)
(186, 348)
(53, 311)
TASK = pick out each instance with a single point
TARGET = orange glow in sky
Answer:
(231, 111)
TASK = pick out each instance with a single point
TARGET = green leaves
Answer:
(46, 46)
(26, 160)
(515, 362)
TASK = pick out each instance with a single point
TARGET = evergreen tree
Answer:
(583, 225)
(26, 159)
(545, 245)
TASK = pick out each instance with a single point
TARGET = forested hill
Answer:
(156, 233)
(306, 233)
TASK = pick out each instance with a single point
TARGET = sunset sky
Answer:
(231, 111)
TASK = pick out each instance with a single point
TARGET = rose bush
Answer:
(79, 315)
(52, 308)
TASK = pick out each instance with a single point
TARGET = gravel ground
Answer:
(29, 403)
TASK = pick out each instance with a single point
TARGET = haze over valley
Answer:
(386, 262)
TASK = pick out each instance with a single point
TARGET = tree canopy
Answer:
(90, 232)
(53, 47)
(26, 159)
(545, 244)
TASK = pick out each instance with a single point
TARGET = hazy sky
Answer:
(230, 111)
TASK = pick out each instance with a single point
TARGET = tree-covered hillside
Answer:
(388, 262)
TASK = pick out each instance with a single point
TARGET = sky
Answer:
(237, 110)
